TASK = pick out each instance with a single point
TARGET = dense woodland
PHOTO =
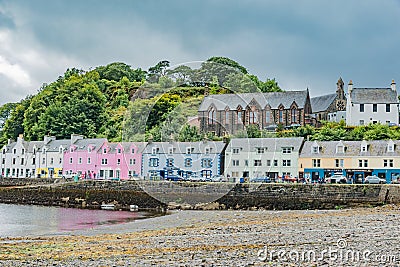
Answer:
(122, 103)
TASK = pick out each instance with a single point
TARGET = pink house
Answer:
(81, 157)
(120, 160)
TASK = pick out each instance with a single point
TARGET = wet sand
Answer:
(350, 237)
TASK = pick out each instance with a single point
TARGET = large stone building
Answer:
(230, 113)
(331, 107)
(372, 105)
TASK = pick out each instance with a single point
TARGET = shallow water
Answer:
(24, 220)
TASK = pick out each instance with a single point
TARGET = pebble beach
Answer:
(343, 237)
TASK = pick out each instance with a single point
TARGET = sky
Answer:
(302, 44)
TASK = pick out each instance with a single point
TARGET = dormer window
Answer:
(89, 149)
(189, 150)
(390, 147)
(119, 150)
(71, 149)
(44, 151)
(133, 151)
(208, 150)
(170, 150)
(364, 146)
(315, 148)
(260, 150)
(287, 150)
(105, 150)
(4, 151)
(340, 147)
(22, 151)
(14, 151)
(60, 149)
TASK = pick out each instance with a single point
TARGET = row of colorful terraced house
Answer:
(239, 158)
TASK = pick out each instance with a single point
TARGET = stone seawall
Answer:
(91, 194)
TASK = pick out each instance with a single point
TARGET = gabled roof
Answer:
(180, 147)
(139, 145)
(322, 103)
(32, 144)
(352, 148)
(374, 96)
(274, 99)
(54, 145)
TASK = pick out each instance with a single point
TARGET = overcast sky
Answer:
(300, 43)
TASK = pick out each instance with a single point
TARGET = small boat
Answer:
(133, 207)
(107, 206)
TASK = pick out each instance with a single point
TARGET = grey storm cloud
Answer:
(300, 43)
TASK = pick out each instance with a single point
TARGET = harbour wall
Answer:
(153, 195)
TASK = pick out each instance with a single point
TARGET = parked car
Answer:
(373, 179)
(264, 179)
(69, 176)
(197, 178)
(218, 178)
(336, 179)
(175, 178)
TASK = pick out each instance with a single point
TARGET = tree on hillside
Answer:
(228, 62)
(13, 126)
(157, 71)
(117, 70)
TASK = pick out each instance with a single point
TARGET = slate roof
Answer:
(32, 144)
(54, 145)
(180, 147)
(352, 148)
(140, 146)
(82, 144)
(374, 96)
(321, 103)
(272, 144)
(274, 99)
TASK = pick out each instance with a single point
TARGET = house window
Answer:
(211, 116)
(23, 151)
(70, 160)
(235, 150)
(361, 107)
(267, 116)
(170, 150)
(132, 151)
(364, 148)
(70, 150)
(293, 113)
(340, 149)
(286, 163)
(188, 162)
(388, 163)
(315, 149)
(104, 161)
(13, 161)
(208, 150)
(14, 151)
(206, 173)
(235, 162)
(188, 150)
(275, 163)
(170, 162)
(80, 161)
(22, 161)
(257, 162)
(153, 162)
(239, 117)
(118, 161)
(226, 117)
(390, 147)
(51, 160)
(339, 163)
(89, 149)
(268, 163)
(246, 162)
(43, 160)
(253, 117)
(60, 161)
(132, 161)
(286, 150)
(206, 163)
(154, 150)
(316, 163)
(280, 116)
(260, 150)
(119, 150)
(363, 163)
(374, 107)
(387, 107)
(361, 122)
(104, 150)
(89, 160)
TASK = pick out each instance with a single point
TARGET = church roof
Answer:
(321, 103)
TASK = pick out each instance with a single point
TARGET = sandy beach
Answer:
(349, 237)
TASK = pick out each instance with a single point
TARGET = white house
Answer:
(372, 105)
(257, 157)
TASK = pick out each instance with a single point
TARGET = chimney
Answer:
(350, 87)
(20, 138)
(75, 137)
(393, 86)
(9, 141)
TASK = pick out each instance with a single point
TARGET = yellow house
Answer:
(353, 159)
